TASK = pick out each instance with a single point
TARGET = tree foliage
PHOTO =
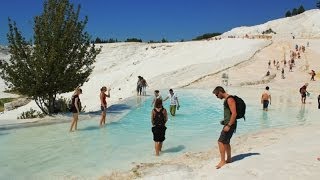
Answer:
(288, 14)
(301, 9)
(206, 36)
(318, 4)
(99, 40)
(295, 11)
(133, 40)
(60, 58)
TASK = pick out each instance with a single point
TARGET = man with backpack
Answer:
(234, 108)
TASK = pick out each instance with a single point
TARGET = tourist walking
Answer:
(266, 96)
(313, 74)
(103, 102)
(159, 118)
(139, 86)
(230, 125)
(282, 73)
(303, 92)
(156, 96)
(144, 85)
(75, 108)
(174, 102)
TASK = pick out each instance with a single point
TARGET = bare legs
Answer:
(74, 122)
(224, 149)
(157, 147)
(103, 118)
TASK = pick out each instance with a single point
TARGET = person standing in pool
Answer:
(174, 102)
(266, 96)
(303, 92)
(159, 118)
(75, 108)
(230, 125)
(156, 96)
(103, 104)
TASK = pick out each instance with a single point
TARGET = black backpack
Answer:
(159, 119)
(240, 106)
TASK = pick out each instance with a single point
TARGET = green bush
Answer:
(269, 31)
(3, 101)
(31, 114)
(206, 36)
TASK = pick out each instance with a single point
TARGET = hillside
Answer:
(305, 25)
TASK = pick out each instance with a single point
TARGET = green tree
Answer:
(300, 9)
(294, 12)
(163, 40)
(133, 40)
(98, 40)
(318, 4)
(60, 58)
(206, 36)
(288, 14)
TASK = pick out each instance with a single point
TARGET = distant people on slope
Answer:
(319, 101)
(282, 73)
(268, 73)
(313, 74)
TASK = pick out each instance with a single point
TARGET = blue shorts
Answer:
(265, 104)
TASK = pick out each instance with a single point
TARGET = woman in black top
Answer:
(76, 108)
(159, 118)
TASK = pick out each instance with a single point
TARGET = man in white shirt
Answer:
(174, 102)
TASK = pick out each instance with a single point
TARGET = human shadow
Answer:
(90, 128)
(242, 156)
(113, 109)
(174, 149)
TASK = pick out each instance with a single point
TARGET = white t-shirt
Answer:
(173, 99)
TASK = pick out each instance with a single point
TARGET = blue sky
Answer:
(155, 19)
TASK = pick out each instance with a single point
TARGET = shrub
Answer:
(3, 101)
(31, 114)
(268, 31)
(206, 36)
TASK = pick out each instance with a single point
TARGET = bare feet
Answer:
(229, 160)
(221, 163)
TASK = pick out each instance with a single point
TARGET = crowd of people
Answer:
(159, 114)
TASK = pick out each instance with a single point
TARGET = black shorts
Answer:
(226, 136)
(159, 133)
(303, 95)
(103, 109)
(265, 104)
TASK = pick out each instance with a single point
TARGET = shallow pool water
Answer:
(51, 151)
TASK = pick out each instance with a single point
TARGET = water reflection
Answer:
(301, 114)
(265, 119)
